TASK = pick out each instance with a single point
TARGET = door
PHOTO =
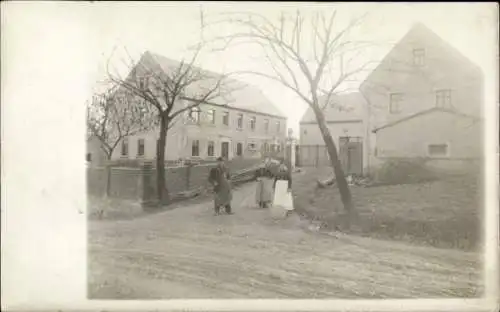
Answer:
(224, 150)
(239, 149)
(351, 155)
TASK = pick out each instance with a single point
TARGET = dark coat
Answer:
(217, 175)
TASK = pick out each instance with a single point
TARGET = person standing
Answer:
(220, 178)
(264, 189)
(283, 201)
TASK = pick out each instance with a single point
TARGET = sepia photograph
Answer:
(288, 150)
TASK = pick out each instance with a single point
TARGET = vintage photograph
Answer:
(286, 151)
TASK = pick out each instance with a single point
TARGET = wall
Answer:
(310, 138)
(98, 157)
(182, 134)
(410, 138)
(445, 68)
(129, 183)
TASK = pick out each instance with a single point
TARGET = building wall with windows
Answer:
(420, 73)
(211, 131)
(214, 131)
(243, 123)
(441, 135)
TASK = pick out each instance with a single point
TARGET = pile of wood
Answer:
(351, 181)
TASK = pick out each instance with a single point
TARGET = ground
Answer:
(189, 253)
(445, 213)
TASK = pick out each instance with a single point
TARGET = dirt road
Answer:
(189, 253)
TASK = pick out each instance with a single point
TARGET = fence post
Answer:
(188, 176)
(317, 155)
(147, 188)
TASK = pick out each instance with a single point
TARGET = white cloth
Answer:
(283, 201)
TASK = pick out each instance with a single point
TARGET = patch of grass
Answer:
(444, 213)
(404, 171)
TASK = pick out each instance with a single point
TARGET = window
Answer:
(240, 121)
(195, 148)
(278, 126)
(142, 83)
(443, 98)
(239, 149)
(278, 147)
(211, 116)
(266, 147)
(210, 149)
(89, 157)
(266, 125)
(436, 150)
(419, 57)
(253, 121)
(225, 118)
(140, 147)
(124, 147)
(396, 101)
(194, 114)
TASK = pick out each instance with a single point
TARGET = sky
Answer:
(168, 28)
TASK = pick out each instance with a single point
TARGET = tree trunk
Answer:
(108, 175)
(345, 193)
(160, 160)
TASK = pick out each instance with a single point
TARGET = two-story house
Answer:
(424, 100)
(242, 123)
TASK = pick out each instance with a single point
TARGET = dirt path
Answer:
(189, 253)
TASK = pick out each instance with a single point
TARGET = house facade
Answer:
(242, 124)
(345, 118)
(424, 100)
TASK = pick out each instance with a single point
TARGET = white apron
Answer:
(264, 190)
(283, 201)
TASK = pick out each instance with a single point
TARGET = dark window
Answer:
(195, 148)
(419, 57)
(396, 101)
(140, 147)
(252, 146)
(89, 157)
(225, 118)
(124, 147)
(240, 121)
(211, 116)
(194, 114)
(253, 121)
(210, 149)
(437, 149)
(239, 149)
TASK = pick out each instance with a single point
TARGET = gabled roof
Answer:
(425, 112)
(419, 30)
(342, 107)
(242, 96)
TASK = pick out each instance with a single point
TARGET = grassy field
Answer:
(445, 213)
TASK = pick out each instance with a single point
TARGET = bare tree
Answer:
(111, 117)
(308, 56)
(171, 89)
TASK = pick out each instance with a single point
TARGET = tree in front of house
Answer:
(111, 117)
(312, 55)
(170, 89)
